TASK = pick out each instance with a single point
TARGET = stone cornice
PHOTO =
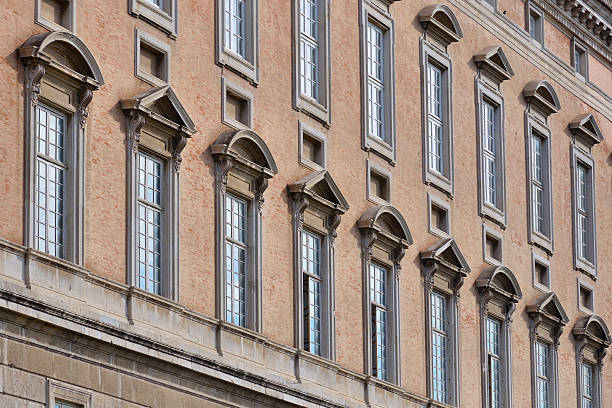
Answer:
(514, 37)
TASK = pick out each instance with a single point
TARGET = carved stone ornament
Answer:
(136, 121)
(37, 71)
(261, 184)
(179, 144)
(333, 222)
(222, 168)
(300, 203)
(86, 98)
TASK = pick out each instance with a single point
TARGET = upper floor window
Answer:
(499, 292)
(311, 64)
(243, 165)
(154, 159)
(444, 269)
(237, 42)
(493, 69)
(546, 321)
(580, 58)
(378, 79)
(586, 134)
(162, 14)
(385, 236)
(317, 206)
(535, 25)
(441, 28)
(542, 101)
(592, 340)
(57, 98)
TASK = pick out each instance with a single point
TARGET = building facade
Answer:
(319, 203)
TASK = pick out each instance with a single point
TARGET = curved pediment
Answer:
(440, 20)
(586, 126)
(246, 145)
(162, 104)
(66, 50)
(321, 185)
(447, 251)
(594, 328)
(500, 280)
(542, 95)
(388, 220)
(550, 307)
(494, 61)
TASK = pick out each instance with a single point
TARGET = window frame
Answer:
(158, 136)
(488, 231)
(580, 283)
(237, 174)
(440, 59)
(538, 37)
(577, 45)
(497, 303)
(305, 129)
(536, 128)
(318, 216)
(165, 19)
(246, 66)
(386, 248)
(537, 259)
(586, 265)
(444, 278)
(77, 396)
(53, 26)
(319, 108)
(229, 87)
(495, 212)
(380, 171)
(159, 46)
(49, 82)
(435, 201)
(386, 147)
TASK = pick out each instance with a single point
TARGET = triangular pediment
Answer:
(321, 185)
(448, 251)
(494, 61)
(550, 305)
(586, 126)
(162, 104)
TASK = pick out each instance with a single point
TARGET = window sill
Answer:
(313, 108)
(239, 65)
(586, 267)
(439, 181)
(493, 213)
(150, 79)
(380, 147)
(541, 241)
(155, 16)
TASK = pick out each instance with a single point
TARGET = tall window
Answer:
(494, 362)
(378, 282)
(311, 259)
(149, 230)
(435, 118)
(537, 177)
(439, 355)
(234, 26)
(235, 260)
(587, 385)
(50, 181)
(376, 84)
(158, 3)
(309, 48)
(583, 213)
(489, 153)
(543, 373)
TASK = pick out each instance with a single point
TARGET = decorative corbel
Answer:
(37, 71)
(581, 341)
(86, 98)
(261, 184)
(485, 295)
(333, 221)
(601, 354)
(398, 255)
(300, 203)
(179, 144)
(457, 284)
(534, 323)
(510, 308)
(367, 240)
(557, 332)
(136, 121)
(223, 165)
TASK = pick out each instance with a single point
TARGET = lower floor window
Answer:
(379, 321)
(235, 260)
(311, 254)
(493, 328)
(542, 375)
(62, 404)
(439, 347)
(587, 385)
